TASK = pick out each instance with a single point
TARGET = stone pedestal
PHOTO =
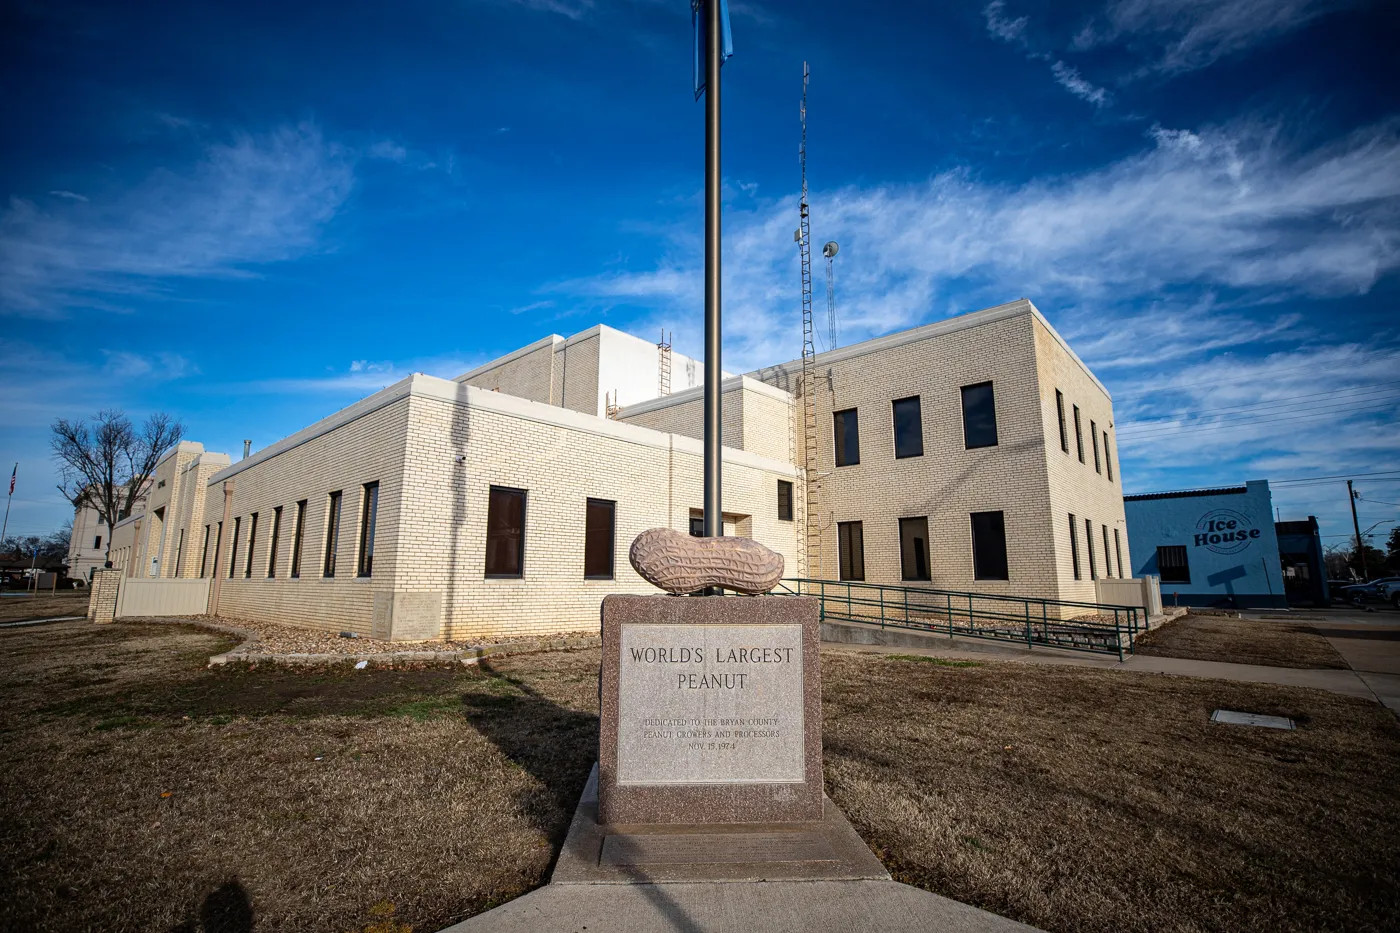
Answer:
(711, 710)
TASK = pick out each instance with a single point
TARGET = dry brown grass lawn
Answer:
(63, 603)
(1072, 799)
(1091, 800)
(141, 790)
(1241, 641)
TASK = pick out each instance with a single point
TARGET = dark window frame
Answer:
(784, 500)
(981, 555)
(905, 559)
(590, 549)
(1089, 546)
(519, 572)
(1060, 413)
(273, 542)
(697, 526)
(204, 554)
(252, 543)
(180, 553)
(233, 549)
(909, 450)
(96, 541)
(971, 415)
(218, 543)
(846, 437)
(1078, 434)
(1163, 567)
(1107, 564)
(850, 547)
(1074, 546)
(335, 501)
(1094, 438)
(1118, 552)
(1107, 457)
(298, 536)
(369, 512)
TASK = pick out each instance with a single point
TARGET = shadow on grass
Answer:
(552, 743)
(226, 909)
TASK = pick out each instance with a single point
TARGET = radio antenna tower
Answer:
(808, 544)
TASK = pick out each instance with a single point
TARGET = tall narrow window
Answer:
(599, 533)
(1089, 546)
(908, 428)
(1107, 560)
(1094, 439)
(1172, 565)
(332, 533)
(272, 542)
(1108, 460)
(1118, 551)
(97, 541)
(784, 501)
(913, 548)
(365, 564)
(296, 538)
(979, 416)
(989, 546)
(218, 543)
(505, 532)
(204, 554)
(846, 426)
(1060, 413)
(180, 553)
(1078, 434)
(233, 550)
(851, 545)
(1074, 546)
(252, 540)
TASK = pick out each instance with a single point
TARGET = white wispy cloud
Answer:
(70, 195)
(573, 9)
(1191, 34)
(1071, 80)
(253, 199)
(1001, 25)
(1228, 209)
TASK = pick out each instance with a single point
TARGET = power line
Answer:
(1245, 417)
(1168, 430)
(1351, 391)
(1341, 476)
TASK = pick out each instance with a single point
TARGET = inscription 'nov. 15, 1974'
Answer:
(710, 704)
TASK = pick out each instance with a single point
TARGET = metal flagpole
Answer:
(714, 522)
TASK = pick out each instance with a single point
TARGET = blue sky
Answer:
(250, 215)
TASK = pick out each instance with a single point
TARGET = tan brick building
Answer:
(503, 502)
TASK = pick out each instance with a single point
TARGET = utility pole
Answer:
(4, 529)
(1356, 527)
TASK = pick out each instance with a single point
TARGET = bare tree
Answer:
(107, 464)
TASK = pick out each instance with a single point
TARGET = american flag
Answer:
(12, 478)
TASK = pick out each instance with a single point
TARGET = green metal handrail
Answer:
(976, 615)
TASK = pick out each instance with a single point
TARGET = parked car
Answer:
(1376, 591)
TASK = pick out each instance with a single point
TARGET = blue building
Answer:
(1210, 547)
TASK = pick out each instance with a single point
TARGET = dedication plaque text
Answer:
(710, 704)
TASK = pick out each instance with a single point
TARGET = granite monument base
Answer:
(711, 711)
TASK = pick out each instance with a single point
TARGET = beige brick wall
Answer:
(561, 460)
(325, 458)
(528, 374)
(1006, 346)
(1077, 487)
(755, 418)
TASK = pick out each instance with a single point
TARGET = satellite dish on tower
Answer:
(830, 249)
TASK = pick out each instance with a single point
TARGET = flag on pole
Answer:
(697, 19)
(12, 478)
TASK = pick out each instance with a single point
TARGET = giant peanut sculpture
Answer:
(681, 563)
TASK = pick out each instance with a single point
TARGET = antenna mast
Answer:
(808, 542)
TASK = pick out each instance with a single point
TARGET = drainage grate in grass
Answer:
(1236, 718)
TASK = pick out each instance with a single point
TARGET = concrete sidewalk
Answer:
(1374, 657)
